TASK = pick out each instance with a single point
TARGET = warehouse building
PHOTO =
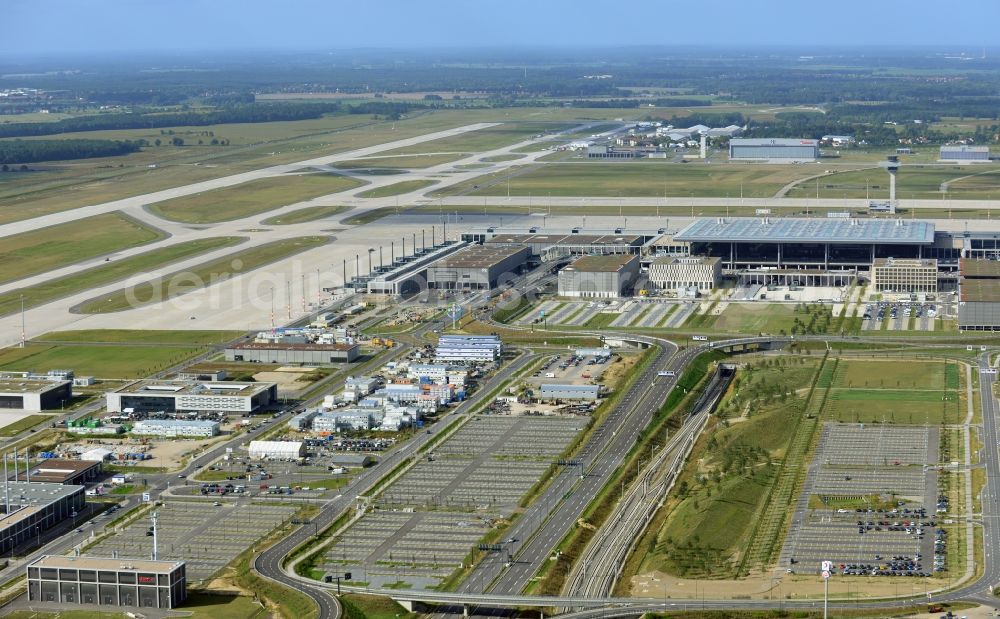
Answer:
(904, 275)
(569, 392)
(176, 428)
(599, 277)
(34, 395)
(293, 353)
(979, 295)
(303, 421)
(276, 450)
(477, 267)
(60, 471)
(672, 272)
(964, 154)
(778, 150)
(468, 348)
(107, 582)
(177, 395)
(31, 507)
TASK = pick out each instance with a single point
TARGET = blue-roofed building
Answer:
(756, 242)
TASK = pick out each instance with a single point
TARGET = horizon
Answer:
(157, 26)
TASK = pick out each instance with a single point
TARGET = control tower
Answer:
(891, 165)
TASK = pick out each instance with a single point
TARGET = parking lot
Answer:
(869, 503)
(900, 316)
(426, 522)
(205, 535)
(419, 548)
(570, 369)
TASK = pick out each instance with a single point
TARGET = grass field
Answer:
(921, 182)
(499, 158)
(731, 472)
(138, 337)
(396, 189)
(177, 284)
(23, 424)
(116, 354)
(637, 179)
(487, 139)
(402, 162)
(754, 318)
(366, 217)
(302, 215)
(897, 391)
(39, 294)
(103, 361)
(251, 198)
(42, 250)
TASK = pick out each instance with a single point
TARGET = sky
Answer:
(32, 27)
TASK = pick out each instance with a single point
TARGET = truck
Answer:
(699, 338)
(667, 373)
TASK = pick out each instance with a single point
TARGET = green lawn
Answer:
(892, 406)
(637, 179)
(38, 251)
(366, 217)
(103, 361)
(499, 158)
(252, 197)
(303, 215)
(372, 607)
(23, 424)
(396, 189)
(177, 284)
(136, 336)
(50, 290)
(921, 182)
(490, 138)
(400, 162)
(754, 318)
(892, 374)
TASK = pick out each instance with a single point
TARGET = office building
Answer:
(468, 348)
(671, 272)
(177, 395)
(31, 508)
(904, 275)
(176, 428)
(599, 277)
(107, 582)
(33, 394)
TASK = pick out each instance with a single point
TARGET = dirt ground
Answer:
(289, 379)
(166, 453)
(776, 586)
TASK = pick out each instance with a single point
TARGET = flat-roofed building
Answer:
(34, 395)
(599, 277)
(468, 348)
(300, 353)
(137, 583)
(904, 275)
(178, 395)
(176, 428)
(670, 272)
(32, 507)
(572, 244)
(569, 392)
(477, 267)
(979, 295)
(61, 471)
(773, 149)
(962, 153)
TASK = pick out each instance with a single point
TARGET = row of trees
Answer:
(31, 151)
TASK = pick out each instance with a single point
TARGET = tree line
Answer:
(32, 151)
